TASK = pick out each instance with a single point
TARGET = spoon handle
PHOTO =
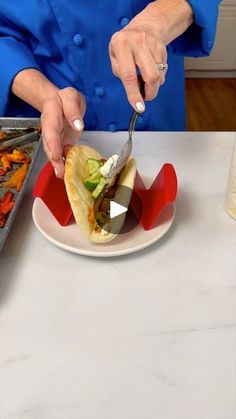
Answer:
(135, 114)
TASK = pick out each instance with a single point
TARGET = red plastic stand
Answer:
(147, 204)
(52, 191)
(162, 192)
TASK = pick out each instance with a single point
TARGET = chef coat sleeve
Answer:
(15, 56)
(199, 38)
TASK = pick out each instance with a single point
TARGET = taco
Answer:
(90, 193)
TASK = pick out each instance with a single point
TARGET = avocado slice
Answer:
(93, 165)
(92, 181)
(91, 184)
(99, 188)
(95, 182)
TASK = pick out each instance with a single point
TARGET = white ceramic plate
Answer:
(70, 239)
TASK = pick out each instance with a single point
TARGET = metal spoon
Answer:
(127, 148)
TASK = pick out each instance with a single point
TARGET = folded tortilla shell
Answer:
(80, 198)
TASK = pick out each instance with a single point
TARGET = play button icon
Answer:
(116, 209)
(121, 216)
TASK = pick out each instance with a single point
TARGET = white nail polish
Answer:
(78, 125)
(56, 171)
(140, 107)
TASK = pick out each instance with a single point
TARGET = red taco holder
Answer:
(147, 204)
(52, 191)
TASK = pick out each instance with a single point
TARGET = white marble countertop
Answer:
(145, 336)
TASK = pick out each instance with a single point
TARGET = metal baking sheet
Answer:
(32, 145)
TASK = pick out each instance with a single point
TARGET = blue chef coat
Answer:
(68, 42)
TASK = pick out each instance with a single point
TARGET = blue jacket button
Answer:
(78, 39)
(124, 21)
(112, 127)
(99, 91)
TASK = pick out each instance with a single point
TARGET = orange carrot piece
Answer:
(18, 177)
(5, 209)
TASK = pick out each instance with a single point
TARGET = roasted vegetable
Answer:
(6, 205)
(18, 177)
(3, 135)
(17, 156)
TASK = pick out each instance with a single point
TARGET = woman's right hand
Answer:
(62, 124)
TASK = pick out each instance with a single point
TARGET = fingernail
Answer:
(140, 107)
(56, 172)
(78, 125)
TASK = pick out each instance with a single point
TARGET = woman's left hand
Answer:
(138, 45)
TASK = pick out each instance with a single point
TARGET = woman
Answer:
(60, 57)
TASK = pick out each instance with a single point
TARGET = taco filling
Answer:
(90, 190)
(103, 191)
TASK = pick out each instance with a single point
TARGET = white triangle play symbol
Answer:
(116, 209)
